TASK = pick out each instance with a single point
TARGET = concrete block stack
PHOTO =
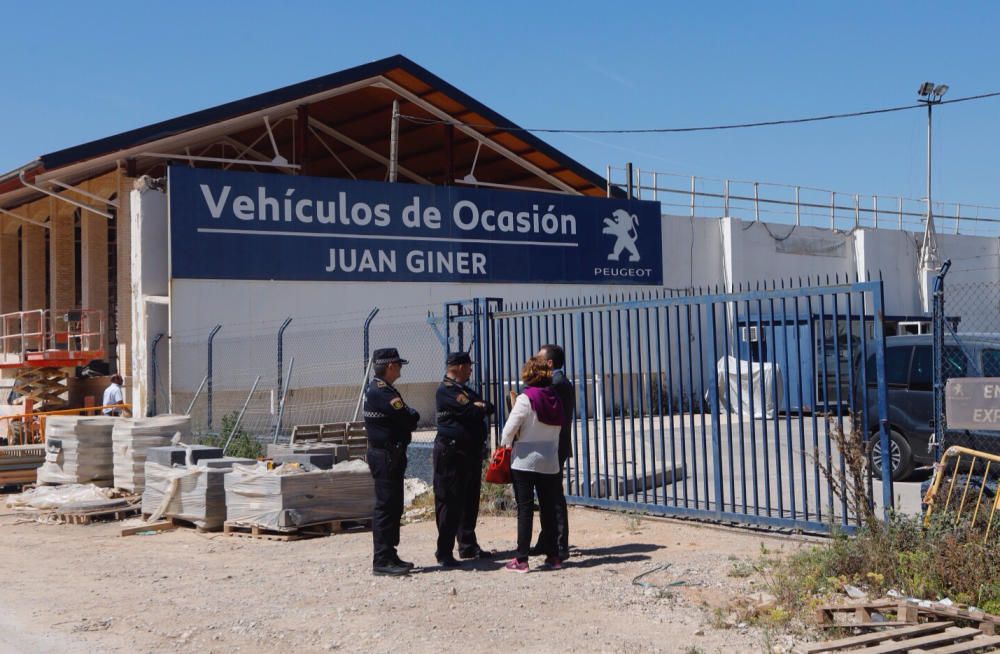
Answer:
(339, 452)
(131, 440)
(293, 496)
(78, 450)
(192, 492)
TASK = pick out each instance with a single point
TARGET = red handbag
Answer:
(498, 472)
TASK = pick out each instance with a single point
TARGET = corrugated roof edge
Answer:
(284, 94)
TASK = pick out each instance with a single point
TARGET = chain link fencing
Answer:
(968, 317)
(312, 371)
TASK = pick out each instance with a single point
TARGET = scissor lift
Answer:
(44, 347)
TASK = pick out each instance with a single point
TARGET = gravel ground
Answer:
(73, 588)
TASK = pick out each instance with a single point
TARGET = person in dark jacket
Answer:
(555, 358)
(390, 424)
(458, 462)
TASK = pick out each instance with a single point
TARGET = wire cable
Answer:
(675, 130)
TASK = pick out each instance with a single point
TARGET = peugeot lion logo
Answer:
(623, 228)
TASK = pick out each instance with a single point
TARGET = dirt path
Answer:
(86, 589)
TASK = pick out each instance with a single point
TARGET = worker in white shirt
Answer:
(113, 395)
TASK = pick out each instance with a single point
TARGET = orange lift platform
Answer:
(44, 347)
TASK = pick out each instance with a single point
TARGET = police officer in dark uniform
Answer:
(389, 423)
(459, 450)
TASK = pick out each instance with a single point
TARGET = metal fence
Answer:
(291, 372)
(966, 343)
(720, 406)
(798, 205)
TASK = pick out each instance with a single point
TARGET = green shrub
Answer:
(243, 445)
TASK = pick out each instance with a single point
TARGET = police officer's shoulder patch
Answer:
(462, 398)
(380, 383)
(397, 403)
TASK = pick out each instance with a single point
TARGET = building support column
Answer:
(62, 257)
(123, 238)
(94, 267)
(32, 263)
(9, 269)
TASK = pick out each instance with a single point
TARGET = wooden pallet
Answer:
(939, 637)
(168, 524)
(104, 515)
(352, 434)
(986, 623)
(826, 615)
(312, 530)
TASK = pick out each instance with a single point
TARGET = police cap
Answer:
(387, 355)
(459, 358)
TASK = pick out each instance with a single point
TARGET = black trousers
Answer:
(526, 485)
(562, 519)
(457, 480)
(387, 467)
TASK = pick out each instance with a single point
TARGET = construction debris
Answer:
(131, 440)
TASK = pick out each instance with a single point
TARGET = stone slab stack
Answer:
(195, 493)
(133, 438)
(288, 497)
(78, 450)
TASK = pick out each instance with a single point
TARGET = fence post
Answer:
(883, 402)
(628, 175)
(281, 351)
(367, 336)
(938, 329)
(151, 411)
(208, 377)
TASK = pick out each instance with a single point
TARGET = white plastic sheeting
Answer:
(132, 437)
(288, 497)
(55, 497)
(77, 450)
(193, 493)
(745, 381)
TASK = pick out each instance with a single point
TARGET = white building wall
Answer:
(696, 253)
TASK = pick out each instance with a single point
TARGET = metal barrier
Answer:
(29, 428)
(956, 480)
(719, 406)
(42, 335)
(798, 205)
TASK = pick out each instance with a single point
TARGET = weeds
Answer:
(933, 561)
(244, 445)
(633, 521)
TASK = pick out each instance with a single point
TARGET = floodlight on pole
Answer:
(930, 94)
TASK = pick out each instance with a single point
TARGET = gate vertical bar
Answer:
(579, 359)
(883, 402)
(713, 401)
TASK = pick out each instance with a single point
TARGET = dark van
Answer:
(909, 372)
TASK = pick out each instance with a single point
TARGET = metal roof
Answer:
(353, 105)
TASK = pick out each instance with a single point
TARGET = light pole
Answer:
(930, 94)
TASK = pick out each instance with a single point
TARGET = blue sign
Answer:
(236, 225)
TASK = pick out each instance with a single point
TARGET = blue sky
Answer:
(78, 71)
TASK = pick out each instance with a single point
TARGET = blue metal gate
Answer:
(716, 406)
